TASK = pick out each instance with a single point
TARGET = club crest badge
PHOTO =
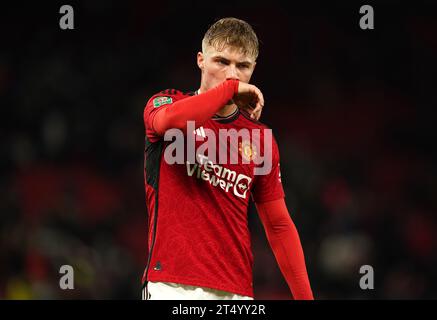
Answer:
(247, 150)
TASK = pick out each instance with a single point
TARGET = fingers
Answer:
(256, 113)
(246, 88)
(256, 97)
(260, 96)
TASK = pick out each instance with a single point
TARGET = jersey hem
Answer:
(200, 283)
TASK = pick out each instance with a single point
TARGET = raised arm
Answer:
(199, 108)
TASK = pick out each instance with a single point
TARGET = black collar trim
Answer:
(233, 116)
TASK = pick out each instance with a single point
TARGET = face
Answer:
(217, 66)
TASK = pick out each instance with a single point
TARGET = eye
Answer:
(222, 62)
(243, 66)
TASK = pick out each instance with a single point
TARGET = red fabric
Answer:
(198, 108)
(285, 243)
(268, 187)
(199, 219)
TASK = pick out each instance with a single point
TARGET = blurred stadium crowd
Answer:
(350, 110)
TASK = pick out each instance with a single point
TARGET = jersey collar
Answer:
(233, 116)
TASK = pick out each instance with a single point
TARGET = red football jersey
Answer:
(198, 224)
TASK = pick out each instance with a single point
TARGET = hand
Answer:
(249, 98)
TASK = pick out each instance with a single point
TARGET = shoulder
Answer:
(176, 92)
(265, 130)
(254, 124)
(168, 96)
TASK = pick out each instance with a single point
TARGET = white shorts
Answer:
(176, 291)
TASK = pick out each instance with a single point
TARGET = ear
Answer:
(200, 60)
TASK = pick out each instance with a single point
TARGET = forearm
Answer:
(288, 252)
(284, 240)
(198, 108)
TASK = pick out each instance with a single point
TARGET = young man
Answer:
(199, 242)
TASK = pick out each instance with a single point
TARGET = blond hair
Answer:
(232, 32)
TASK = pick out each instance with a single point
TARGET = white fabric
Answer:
(176, 291)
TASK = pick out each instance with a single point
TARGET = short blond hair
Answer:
(232, 32)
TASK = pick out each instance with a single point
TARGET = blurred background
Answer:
(351, 109)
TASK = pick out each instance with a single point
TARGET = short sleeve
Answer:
(268, 187)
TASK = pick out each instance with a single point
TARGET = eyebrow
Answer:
(219, 57)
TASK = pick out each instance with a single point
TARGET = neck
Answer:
(228, 109)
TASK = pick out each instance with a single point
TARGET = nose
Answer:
(232, 73)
